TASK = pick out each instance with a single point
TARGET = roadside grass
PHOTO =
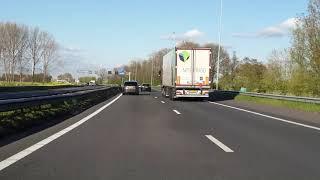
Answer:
(307, 107)
(158, 88)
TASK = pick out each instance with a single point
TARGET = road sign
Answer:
(121, 71)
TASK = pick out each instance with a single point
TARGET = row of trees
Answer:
(24, 50)
(292, 71)
(305, 52)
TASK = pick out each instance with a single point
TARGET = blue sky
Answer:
(112, 32)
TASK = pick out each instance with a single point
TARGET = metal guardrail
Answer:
(50, 92)
(32, 88)
(279, 97)
(13, 104)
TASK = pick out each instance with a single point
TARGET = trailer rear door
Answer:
(201, 67)
(184, 68)
(193, 67)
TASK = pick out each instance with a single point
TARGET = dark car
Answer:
(146, 87)
(130, 87)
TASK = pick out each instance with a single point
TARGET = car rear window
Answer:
(130, 84)
(146, 85)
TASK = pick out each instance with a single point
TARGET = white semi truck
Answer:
(186, 73)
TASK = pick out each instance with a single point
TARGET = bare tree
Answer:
(21, 46)
(1, 46)
(22, 60)
(14, 38)
(102, 73)
(48, 53)
(35, 48)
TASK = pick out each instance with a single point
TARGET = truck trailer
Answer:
(186, 73)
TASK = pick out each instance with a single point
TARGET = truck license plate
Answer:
(193, 92)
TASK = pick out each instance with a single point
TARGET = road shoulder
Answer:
(312, 118)
(16, 143)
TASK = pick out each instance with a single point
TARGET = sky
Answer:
(108, 33)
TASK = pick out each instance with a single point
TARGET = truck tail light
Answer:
(179, 92)
(205, 92)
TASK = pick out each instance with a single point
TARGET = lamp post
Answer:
(151, 80)
(136, 71)
(219, 48)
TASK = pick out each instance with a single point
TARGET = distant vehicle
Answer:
(186, 73)
(145, 87)
(92, 83)
(130, 87)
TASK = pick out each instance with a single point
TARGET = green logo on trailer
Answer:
(184, 56)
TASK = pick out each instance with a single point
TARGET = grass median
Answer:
(307, 107)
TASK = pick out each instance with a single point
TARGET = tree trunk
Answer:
(20, 76)
(44, 74)
(33, 70)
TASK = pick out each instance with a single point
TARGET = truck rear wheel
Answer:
(163, 92)
(171, 94)
(166, 92)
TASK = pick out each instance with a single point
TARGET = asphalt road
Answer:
(143, 137)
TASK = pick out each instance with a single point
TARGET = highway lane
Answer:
(265, 148)
(143, 137)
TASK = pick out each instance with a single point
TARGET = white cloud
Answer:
(278, 30)
(188, 35)
(272, 32)
(194, 33)
(119, 65)
(290, 23)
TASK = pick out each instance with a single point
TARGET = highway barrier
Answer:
(20, 103)
(32, 88)
(20, 114)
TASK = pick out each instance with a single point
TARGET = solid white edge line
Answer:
(18, 156)
(177, 112)
(267, 116)
(220, 144)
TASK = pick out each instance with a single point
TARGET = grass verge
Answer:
(307, 107)
(157, 88)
